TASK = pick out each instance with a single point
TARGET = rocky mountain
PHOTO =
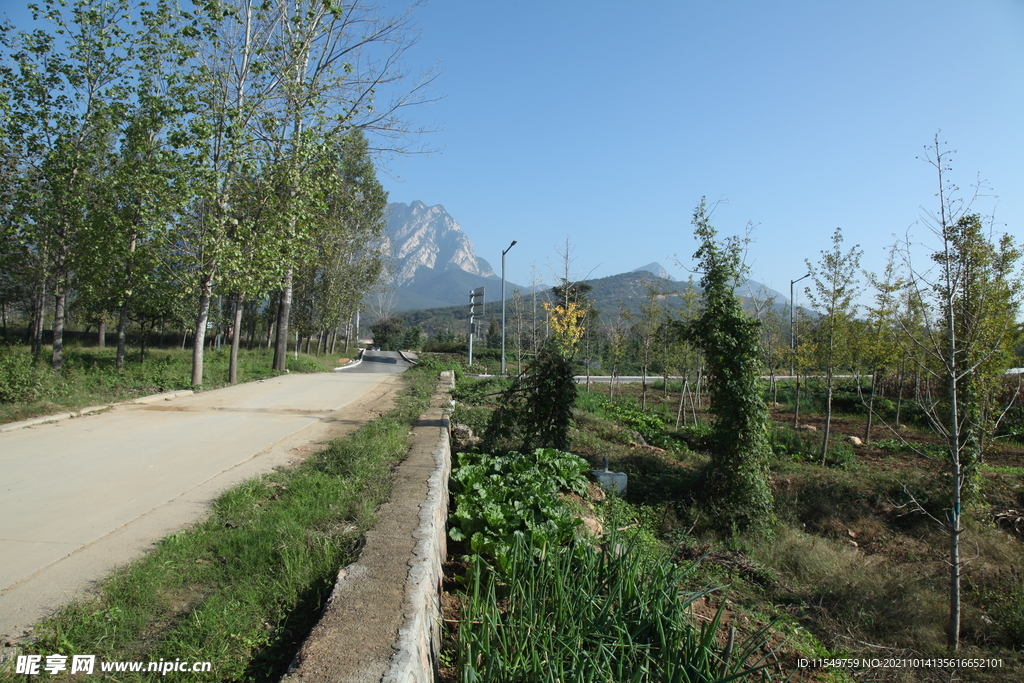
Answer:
(434, 265)
(433, 261)
(654, 268)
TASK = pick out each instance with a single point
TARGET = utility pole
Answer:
(503, 306)
(792, 332)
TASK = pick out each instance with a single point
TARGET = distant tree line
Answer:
(191, 170)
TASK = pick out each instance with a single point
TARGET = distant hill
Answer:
(625, 291)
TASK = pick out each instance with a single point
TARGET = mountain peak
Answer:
(655, 269)
(421, 236)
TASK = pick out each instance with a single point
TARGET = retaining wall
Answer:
(382, 623)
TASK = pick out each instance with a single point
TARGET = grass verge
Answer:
(243, 588)
(29, 389)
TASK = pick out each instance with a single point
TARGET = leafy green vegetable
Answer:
(498, 498)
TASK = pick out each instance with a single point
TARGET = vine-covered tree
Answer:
(737, 481)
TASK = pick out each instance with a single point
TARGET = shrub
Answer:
(19, 376)
(536, 410)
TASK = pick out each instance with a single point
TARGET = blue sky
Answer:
(605, 124)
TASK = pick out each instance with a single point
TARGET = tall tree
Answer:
(330, 83)
(970, 300)
(835, 288)
(66, 93)
(729, 340)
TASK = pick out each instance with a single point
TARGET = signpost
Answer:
(476, 310)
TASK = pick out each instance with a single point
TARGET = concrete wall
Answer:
(383, 620)
(419, 638)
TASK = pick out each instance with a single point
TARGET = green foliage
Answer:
(835, 288)
(498, 498)
(797, 445)
(480, 391)
(580, 614)
(590, 402)
(730, 340)
(438, 363)
(649, 425)
(1012, 617)
(698, 437)
(19, 376)
(387, 333)
(411, 339)
(536, 411)
(475, 418)
(304, 364)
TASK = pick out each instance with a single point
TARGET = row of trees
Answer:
(152, 159)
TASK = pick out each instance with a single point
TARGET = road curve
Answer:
(81, 496)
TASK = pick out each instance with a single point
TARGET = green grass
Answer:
(243, 588)
(580, 614)
(1018, 471)
(88, 377)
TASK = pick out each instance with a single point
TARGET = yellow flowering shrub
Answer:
(566, 323)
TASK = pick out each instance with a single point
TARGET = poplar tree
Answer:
(65, 99)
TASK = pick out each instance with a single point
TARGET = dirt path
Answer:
(81, 497)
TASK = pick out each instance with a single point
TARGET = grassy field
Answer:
(853, 568)
(243, 588)
(88, 377)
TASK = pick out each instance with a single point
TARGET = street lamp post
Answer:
(503, 305)
(792, 333)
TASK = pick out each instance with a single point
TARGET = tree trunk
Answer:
(122, 326)
(871, 406)
(283, 313)
(101, 333)
(59, 300)
(899, 401)
(643, 390)
(199, 339)
(36, 331)
(235, 340)
(828, 418)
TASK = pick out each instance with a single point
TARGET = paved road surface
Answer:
(79, 497)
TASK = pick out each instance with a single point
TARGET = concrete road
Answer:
(81, 496)
(381, 361)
